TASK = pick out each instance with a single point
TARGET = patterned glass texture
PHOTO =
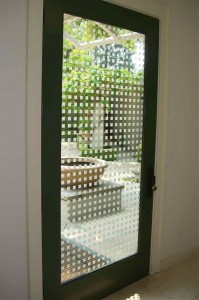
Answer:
(101, 148)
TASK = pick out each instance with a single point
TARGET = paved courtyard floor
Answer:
(115, 235)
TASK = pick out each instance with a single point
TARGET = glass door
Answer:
(101, 146)
(99, 118)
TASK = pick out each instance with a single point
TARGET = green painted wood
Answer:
(113, 277)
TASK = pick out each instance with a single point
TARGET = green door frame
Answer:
(108, 279)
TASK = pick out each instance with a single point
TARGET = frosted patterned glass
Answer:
(102, 114)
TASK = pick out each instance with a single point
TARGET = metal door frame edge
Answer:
(33, 138)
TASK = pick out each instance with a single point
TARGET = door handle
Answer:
(151, 186)
(154, 188)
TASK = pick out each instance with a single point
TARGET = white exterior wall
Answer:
(180, 208)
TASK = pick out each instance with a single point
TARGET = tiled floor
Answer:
(178, 283)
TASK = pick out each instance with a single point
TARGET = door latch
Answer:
(151, 186)
(154, 188)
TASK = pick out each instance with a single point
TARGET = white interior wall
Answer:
(180, 204)
(198, 118)
(13, 204)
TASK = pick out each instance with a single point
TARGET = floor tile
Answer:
(178, 283)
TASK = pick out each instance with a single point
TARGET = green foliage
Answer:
(86, 30)
(131, 179)
(106, 154)
(139, 153)
(130, 45)
(84, 82)
(82, 76)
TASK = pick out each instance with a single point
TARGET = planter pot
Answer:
(81, 171)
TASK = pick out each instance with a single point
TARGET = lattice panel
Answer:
(102, 120)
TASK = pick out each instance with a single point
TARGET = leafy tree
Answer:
(84, 81)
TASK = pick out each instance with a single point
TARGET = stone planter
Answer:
(81, 171)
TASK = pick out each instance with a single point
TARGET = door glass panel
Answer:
(101, 147)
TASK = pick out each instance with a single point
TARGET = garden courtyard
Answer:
(101, 149)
